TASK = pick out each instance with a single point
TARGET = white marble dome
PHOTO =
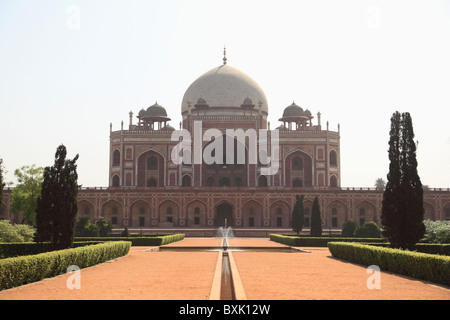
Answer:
(227, 87)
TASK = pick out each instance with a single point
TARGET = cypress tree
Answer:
(391, 195)
(402, 206)
(298, 215)
(316, 220)
(45, 208)
(58, 204)
(411, 191)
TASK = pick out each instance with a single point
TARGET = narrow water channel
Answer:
(226, 288)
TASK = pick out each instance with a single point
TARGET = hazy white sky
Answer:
(70, 68)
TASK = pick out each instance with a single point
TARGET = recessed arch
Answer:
(292, 171)
(116, 158)
(168, 213)
(333, 181)
(145, 168)
(86, 209)
(115, 181)
(231, 166)
(186, 181)
(140, 214)
(252, 213)
(262, 181)
(224, 210)
(224, 182)
(196, 214)
(335, 214)
(365, 212)
(333, 158)
(112, 211)
(280, 213)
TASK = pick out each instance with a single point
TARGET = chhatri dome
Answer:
(222, 88)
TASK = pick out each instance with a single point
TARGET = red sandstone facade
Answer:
(148, 190)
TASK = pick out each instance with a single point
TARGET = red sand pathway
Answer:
(143, 274)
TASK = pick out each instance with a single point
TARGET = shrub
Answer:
(104, 227)
(429, 267)
(21, 270)
(125, 232)
(348, 228)
(16, 232)
(436, 232)
(139, 241)
(368, 230)
(84, 228)
(14, 249)
(295, 241)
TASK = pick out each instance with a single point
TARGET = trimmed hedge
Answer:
(434, 248)
(429, 267)
(139, 241)
(15, 249)
(431, 248)
(295, 241)
(26, 269)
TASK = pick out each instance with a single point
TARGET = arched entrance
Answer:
(224, 211)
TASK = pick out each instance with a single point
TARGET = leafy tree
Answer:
(25, 194)
(380, 183)
(316, 220)
(16, 232)
(298, 215)
(348, 228)
(58, 204)
(402, 207)
(84, 228)
(104, 227)
(436, 232)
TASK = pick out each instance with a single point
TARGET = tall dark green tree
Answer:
(411, 187)
(390, 217)
(58, 205)
(298, 215)
(402, 206)
(316, 220)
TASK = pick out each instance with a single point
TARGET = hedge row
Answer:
(14, 249)
(138, 241)
(431, 248)
(26, 269)
(295, 241)
(434, 248)
(429, 267)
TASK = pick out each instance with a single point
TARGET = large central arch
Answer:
(224, 211)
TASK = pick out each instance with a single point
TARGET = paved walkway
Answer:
(145, 274)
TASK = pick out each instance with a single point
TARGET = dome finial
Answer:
(224, 55)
